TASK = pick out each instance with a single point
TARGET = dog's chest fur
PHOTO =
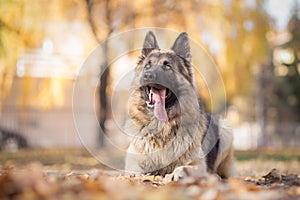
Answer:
(155, 136)
(166, 146)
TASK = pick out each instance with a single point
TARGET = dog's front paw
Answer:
(184, 172)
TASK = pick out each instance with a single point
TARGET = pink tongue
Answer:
(159, 97)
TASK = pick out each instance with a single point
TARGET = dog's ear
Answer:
(182, 48)
(150, 43)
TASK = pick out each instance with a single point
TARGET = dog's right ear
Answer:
(150, 43)
(182, 47)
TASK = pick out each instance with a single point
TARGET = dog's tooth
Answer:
(149, 104)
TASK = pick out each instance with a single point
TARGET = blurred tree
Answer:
(245, 56)
(287, 67)
(245, 47)
(104, 74)
(22, 27)
(19, 28)
(105, 17)
(278, 82)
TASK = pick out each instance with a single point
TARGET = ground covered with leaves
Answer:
(74, 174)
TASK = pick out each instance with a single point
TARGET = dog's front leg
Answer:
(196, 171)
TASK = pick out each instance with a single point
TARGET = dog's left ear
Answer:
(182, 48)
(150, 43)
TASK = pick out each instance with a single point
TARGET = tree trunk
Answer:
(260, 108)
(103, 112)
(103, 108)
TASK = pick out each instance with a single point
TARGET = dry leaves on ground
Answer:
(34, 181)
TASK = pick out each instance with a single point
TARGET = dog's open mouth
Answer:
(158, 97)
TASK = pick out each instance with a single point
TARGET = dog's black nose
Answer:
(149, 76)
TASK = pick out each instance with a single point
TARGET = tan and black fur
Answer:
(180, 134)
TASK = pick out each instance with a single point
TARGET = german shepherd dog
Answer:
(171, 131)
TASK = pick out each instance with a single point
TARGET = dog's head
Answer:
(161, 73)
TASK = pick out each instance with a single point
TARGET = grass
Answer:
(267, 154)
(64, 158)
(249, 163)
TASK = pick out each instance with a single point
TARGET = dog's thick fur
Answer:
(174, 132)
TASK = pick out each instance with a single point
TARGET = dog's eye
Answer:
(148, 64)
(166, 65)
